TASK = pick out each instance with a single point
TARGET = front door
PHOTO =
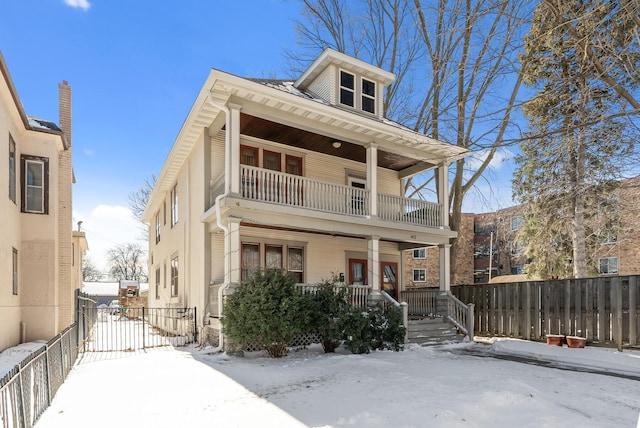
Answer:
(389, 278)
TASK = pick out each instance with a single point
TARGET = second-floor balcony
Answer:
(276, 187)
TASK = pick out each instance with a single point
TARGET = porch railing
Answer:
(359, 293)
(287, 189)
(434, 302)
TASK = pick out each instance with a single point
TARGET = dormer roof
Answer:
(330, 56)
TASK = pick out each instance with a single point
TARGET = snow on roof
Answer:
(106, 288)
(46, 125)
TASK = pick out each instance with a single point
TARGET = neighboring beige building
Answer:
(302, 175)
(40, 258)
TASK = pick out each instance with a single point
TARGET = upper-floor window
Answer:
(517, 222)
(361, 97)
(420, 253)
(609, 265)
(12, 169)
(174, 205)
(271, 160)
(35, 184)
(368, 96)
(347, 89)
(158, 227)
(248, 155)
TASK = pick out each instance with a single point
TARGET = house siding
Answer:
(324, 86)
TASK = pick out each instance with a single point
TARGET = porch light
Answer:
(336, 144)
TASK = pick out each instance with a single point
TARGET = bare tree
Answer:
(127, 262)
(138, 199)
(89, 270)
(457, 72)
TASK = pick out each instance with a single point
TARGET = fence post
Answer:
(405, 320)
(471, 320)
(23, 412)
(617, 290)
(195, 324)
(143, 323)
(633, 311)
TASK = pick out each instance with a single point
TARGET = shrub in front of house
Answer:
(373, 328)
(267, 311)
(331, 305)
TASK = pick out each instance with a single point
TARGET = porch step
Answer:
(432, 331)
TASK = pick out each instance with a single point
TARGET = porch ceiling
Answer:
(272, 131)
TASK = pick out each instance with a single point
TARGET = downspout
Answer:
(220, 224)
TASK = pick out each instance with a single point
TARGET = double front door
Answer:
(388, 275)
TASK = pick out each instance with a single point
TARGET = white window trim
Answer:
(609, 258)
(41, 164)
(374, 98)
(413, 253)
(352, 90)
(418, 270)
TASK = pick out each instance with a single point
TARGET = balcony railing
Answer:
(287, 189)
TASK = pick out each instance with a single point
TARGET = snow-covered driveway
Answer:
(420, 387)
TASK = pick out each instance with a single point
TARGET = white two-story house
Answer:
(303, 175)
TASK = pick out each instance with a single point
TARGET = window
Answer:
(157, 282)
(419, 275)
(608, 237)
(158, 227)
(174, 276)
(273, 257)
(12, 169)
(250, 260)
(295, 264)
(517, 222)
(609, 266)
(35, 184)
(368, 96)
(293, 165)
(174, 205)
(517, 270)
(15, 272)
(347, 89)
(517, 248)
(484, 227)
(271, 160)
(420, 253)
(164, 284)
(248, 156)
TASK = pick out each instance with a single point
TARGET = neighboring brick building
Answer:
(492, 244)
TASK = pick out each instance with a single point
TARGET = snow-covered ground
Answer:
(447, 386)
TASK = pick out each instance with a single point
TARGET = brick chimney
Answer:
(65, 210)
(64, 109)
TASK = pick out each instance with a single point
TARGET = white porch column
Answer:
(233, 254)
(234, 140)
(372, 178)
(373, 263)
(445, 267)
(443, 192)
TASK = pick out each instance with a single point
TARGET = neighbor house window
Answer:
(250, 260)
(174, 205)
(609, 265)
(347, 89)
(12, 169)
(295, 263)
(15, 272)
(158, 282)
(35, 184)
(517, 270)
(174, 276)
(517, 222)
(158, 227)
(420, 253)
(419, 275)
(368, 96)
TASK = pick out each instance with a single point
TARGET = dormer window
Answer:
(368, 96)
(347, 89)
(362, 97)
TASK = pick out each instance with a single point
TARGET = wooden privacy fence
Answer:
(605, 310)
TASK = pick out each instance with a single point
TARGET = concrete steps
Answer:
(432, 331)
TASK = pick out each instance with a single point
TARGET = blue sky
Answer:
(135, 68)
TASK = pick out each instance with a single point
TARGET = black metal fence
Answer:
(135, 328)
(27, 390)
